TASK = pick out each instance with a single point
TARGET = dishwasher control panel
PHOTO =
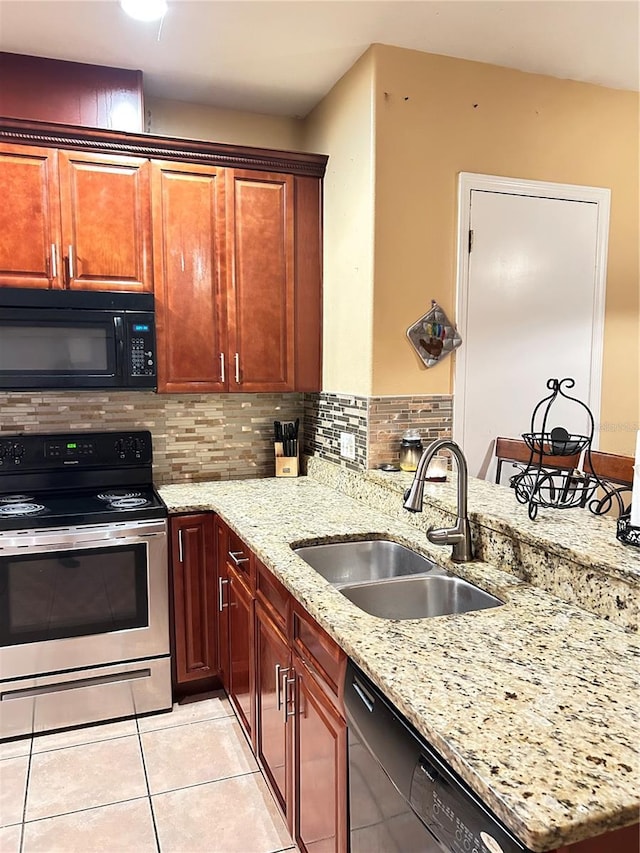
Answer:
(460, 823)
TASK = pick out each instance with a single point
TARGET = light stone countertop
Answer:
(574, 533)
(534, 704)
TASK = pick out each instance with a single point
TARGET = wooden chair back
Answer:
(515, 450)
(610, 467)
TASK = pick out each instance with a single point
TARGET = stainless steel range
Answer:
(84, 619)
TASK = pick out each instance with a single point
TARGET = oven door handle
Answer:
(73, 540)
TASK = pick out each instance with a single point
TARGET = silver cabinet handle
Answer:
(287, 682)
(222, 373)
(238, 558)
(236, 359)
(221, 604)
(281, 672)
(54, 261)
(180, 548)
(70, 262)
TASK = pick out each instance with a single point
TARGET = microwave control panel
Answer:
(142, 348)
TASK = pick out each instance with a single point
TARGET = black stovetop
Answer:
(19, 510)
(60, 480)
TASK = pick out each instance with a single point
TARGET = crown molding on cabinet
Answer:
(164, 147)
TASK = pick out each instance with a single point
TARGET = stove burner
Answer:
(117, 494)
(128, 503)
(16, 509)
(16, 499)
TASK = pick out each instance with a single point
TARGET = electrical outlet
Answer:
(347, 445)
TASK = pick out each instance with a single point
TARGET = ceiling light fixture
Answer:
(144, 10)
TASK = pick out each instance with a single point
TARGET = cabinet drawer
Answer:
(272, 595)
(240, 557)
(318, 649)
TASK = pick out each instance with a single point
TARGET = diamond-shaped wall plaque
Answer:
(433, 337)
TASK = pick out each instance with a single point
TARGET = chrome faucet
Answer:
(460, 535)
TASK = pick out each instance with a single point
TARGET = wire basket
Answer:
(548, 483)
(626, 532)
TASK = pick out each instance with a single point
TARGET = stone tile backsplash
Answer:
(389, 417)
(377, 422)
(325, 417)
(195, 436)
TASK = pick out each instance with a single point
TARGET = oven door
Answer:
(81, 597)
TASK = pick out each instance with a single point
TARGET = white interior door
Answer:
(531, 308)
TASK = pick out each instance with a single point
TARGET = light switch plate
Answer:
(347, 445)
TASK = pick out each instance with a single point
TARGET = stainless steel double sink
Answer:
(389, 580)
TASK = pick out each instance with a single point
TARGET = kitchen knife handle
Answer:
(222, 373)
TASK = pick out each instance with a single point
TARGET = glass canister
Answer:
(410, 450)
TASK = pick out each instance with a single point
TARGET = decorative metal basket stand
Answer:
(542, 484)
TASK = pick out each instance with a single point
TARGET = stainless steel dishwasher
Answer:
(403, 798)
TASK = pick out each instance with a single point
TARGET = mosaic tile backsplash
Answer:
(195, 436)
(377, 422)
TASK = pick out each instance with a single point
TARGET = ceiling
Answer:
(281, 58)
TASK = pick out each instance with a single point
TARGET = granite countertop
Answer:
(534, 704)
(574, 533)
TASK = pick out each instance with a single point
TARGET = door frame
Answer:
(601, 196)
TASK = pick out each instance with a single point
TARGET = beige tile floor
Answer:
(182, 782)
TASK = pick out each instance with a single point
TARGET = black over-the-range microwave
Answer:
(74, 339)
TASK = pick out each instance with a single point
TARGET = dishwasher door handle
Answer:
(367, 700)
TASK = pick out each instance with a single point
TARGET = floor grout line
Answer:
(146, 779)
(26, 797)
(148, 796)
(86, 809)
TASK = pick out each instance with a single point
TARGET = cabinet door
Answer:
(241, 683)
(194, 598)
(29, 217)
(222, 548)
(273, 739)
(187, 252)
(320, 758)
(106, 221)
(261, 285)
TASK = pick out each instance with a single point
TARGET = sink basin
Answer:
(419, 597)
(371, 560)
(389, 580)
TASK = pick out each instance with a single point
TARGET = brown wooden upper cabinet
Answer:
(188, 221)
(74, 220)
(261, 280)
(238, 304)
(29, 217)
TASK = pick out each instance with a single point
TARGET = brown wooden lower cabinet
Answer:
(320, 766)
(240, 626)
(193, 571)
(273, 730)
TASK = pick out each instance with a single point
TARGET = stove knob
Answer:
(18, 450)
(120, 447)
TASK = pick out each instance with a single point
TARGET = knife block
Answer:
(286, 466)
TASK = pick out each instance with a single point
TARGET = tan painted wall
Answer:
(525, 126)
(342, 126)
(199, 121)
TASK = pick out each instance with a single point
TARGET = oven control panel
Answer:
(74, 449)
(35, 453)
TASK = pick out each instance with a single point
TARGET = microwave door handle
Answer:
(119, 330)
